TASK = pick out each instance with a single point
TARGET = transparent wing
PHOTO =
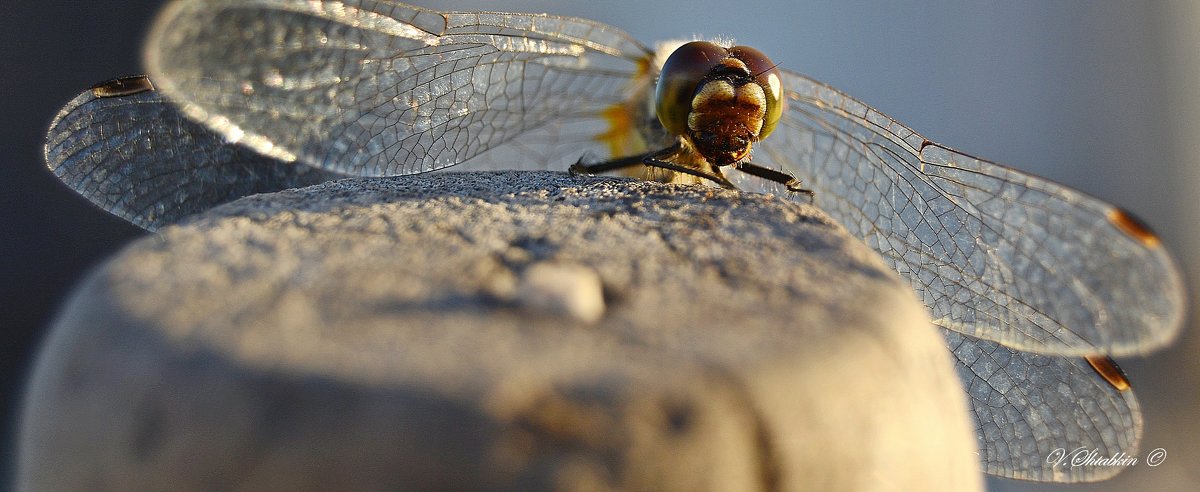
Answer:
(993, 252)
(1025, 275)
(122, 146)
(1027, 406)
(381, 88)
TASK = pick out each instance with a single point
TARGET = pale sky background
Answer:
(1100, 95)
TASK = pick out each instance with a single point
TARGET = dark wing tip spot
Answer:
(921, 151)
(124, 86)
(1133, 227)
(1109, 370)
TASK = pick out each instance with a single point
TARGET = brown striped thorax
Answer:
(719, 100)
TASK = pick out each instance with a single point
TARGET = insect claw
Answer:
(794, 186)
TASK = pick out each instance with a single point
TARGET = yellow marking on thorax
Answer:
(621, 137)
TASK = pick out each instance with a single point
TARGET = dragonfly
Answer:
(1035, 286)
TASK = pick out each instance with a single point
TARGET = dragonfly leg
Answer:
(715, 177)
(652, 159)
(622, 162)
(787, 180)
(606, 166)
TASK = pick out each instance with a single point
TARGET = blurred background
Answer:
(1102, 96)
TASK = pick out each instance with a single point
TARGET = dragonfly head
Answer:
(721, 100)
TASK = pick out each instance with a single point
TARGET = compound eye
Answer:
(767, 76)
(682, 72)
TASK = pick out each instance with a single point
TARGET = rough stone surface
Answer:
(496, 331)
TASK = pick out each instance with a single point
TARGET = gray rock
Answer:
(493, 331)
